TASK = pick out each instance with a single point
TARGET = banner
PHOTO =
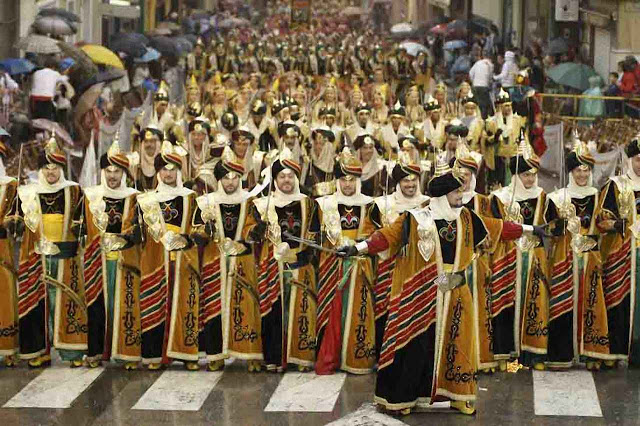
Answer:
(300, 13)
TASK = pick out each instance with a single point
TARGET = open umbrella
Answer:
(102, 55)
(56, 11)
(403, 27)
(151, 55)
(454, 44)
(52, 126)
(352, 11)
(558, 46)
(413, 48)
(36, 43)
(170, 25)
(133, 44)
(572, 74)
(165, 45)
(54, 25)
(15, 66)
(439, 29)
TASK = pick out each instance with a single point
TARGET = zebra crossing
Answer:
(338, 399)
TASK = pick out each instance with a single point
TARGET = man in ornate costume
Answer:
(149, 149)
(169, 267)
(198, 61)
(243, 144)
(286, 278)
(519, 287)
(51, 297)
(394, 129)
(375, 177)
(345, 342)
(434, 124)
(577, 310)
(503, 133)
(363, 122)
(428, 350)
(385, 211)
(112, 278)
(617, 219)
(8, 285)
(229, 303)
(198, 146)
(319, 175)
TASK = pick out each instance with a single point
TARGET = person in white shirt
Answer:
(510, 69)
(481, 74)
(43, 90)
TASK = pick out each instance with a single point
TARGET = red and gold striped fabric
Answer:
(503, 282)
(616, 275)
(383, 285)
(31, 289)
(210, 296)
(562, 287)
(93, 271)
(268, 283)
(411, 313)
(153, 299)
(329, 274)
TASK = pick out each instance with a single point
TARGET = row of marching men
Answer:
(285, 279)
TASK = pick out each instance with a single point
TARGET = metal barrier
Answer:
(625, 109)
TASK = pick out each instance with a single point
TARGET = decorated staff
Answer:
(345, 342)
(49, 285)
(9, 344)
(112, 283)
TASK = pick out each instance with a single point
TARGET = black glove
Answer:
(585, 221)
(347, 251)
(15, 227)
(496, 138)
(190, 241)
(76, 229)
(199, 239)
(620, 226)
(560, 227)
(258, 232)
(538, 231)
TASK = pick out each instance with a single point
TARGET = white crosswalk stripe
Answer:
(55, 387)
(179, 391)
(565, 393)
(304, 392)
(367, 415)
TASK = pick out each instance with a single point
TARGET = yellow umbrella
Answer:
(102, 55)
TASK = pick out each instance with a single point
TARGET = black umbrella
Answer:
(184, 45)
(133, 44)
(63, 13)
(164, 45)
(558, 46)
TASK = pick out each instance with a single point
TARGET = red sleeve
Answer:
(628, 83)
(511, 231)
(377, 243)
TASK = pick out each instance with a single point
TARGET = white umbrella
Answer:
(403, 27)
(36, 43)
(413, 48)
(54, 25)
